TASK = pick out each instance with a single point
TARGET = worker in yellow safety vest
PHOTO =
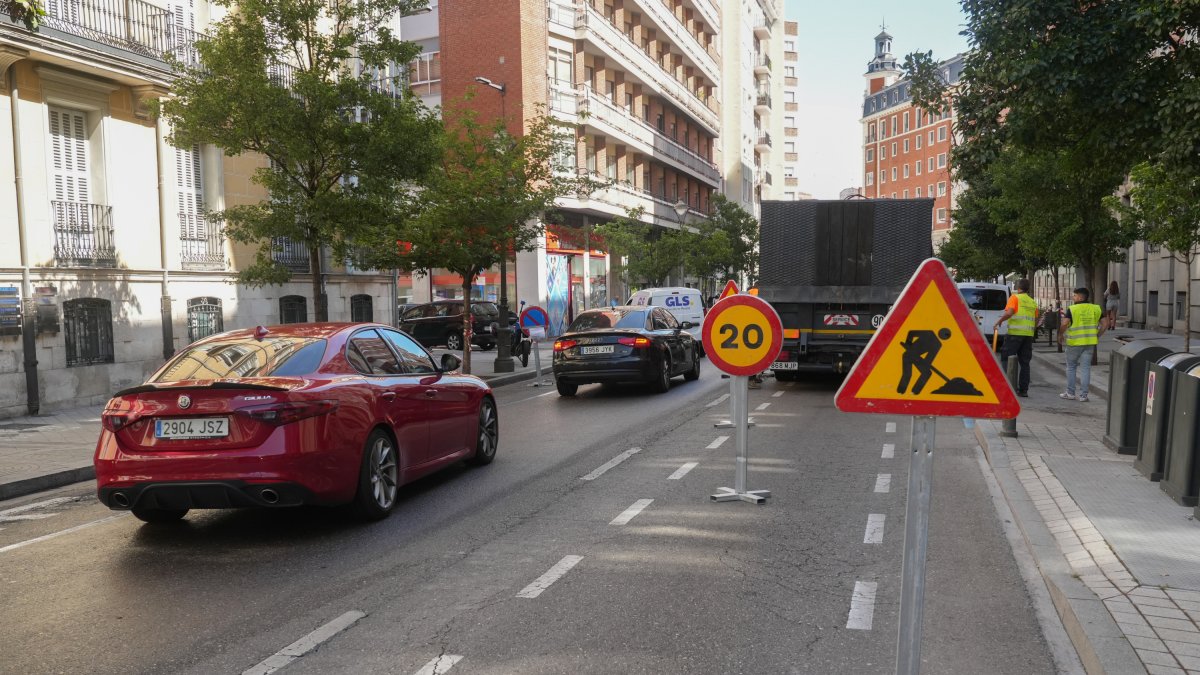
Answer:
(1082, 328)
(1021, 315)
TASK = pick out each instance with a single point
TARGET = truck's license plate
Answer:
(785, 365)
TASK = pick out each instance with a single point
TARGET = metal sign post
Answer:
(535, 335)
(916, 543)
(739, 396)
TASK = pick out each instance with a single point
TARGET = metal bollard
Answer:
(1009, 427)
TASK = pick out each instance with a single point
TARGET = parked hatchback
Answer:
(440, 323)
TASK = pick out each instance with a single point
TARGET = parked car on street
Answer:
(320, 413)
(625, 344)
(440, 323)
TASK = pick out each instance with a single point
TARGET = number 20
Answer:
(752, 336)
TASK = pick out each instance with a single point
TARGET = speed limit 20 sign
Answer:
(742, 335)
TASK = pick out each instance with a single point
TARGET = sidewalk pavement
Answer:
(55, 448)
(1120, 558)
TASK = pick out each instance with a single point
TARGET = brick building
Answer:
(906, 152)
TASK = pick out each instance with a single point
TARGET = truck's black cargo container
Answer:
(832, 269)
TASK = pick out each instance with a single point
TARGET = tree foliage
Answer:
(726, 243)
(650, 253)
(301, 82)
(481, 200)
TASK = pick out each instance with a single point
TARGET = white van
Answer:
(986, 302)
(685, 303)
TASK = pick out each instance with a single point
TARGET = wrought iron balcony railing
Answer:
(133, 25)
(202, 243)
(291, 254)
(83, 235)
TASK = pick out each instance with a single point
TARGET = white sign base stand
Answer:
(739, 396)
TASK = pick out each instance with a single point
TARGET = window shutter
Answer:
(68, 142)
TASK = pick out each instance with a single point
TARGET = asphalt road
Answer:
(544, 563)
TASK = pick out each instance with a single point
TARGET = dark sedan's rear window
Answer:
(246, 357)
(609, 318)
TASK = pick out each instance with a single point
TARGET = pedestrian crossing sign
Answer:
(928, 358)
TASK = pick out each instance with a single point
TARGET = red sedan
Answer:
(328, 413)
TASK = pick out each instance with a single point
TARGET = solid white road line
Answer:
(777, 394)
(305, 644)
(890, 428)
(611, 463)
(889, 450)
(874, 533)
(552, 575)
(682, 471)
(762, 406)
(862, 605)
(36, 505)
(883, 482)
(720, 399)
(631, 512)
(26, 516)
(717, 442)
(55, 535)
(440, 665)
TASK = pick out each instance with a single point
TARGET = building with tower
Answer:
(906, 151)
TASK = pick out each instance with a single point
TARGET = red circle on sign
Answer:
(774, 334)
(534, 316)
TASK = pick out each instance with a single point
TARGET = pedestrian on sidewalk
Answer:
(1021, 315)
(1083, 327)
(1112, 299)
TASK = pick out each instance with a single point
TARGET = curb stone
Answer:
(1099, 642)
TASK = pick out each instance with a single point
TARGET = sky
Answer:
(836, 41)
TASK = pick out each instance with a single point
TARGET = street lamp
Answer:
(681, 210)
(504, 361)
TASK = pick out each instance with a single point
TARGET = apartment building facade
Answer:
(906, 151)
(108, 255)
(791, 128)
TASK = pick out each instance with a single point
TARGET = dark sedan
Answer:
(441, 323)
(625, 344)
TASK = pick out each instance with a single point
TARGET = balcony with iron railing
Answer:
(291, 254)
(623, 48)
(684, 40)
(762, 103)
(618, 198)
(763, 142)
(621, 123)
(83, 235)
(202, 243)
(135, 26)
(762, 64)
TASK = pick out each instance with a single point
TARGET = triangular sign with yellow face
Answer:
(730, 289)
(928, 358)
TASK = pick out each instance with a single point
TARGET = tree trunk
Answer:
(468, 281)
(320, 306)
(1057, 286)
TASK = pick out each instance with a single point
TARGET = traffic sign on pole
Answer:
(928, 358)
(730, 289)
(742, 336)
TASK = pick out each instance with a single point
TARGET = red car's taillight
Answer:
(288, 411)
(563, 345)
(634, 342)
(115, 421)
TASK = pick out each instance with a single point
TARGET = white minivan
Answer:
(685, 303)
(986, 302)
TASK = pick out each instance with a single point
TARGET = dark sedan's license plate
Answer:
(192, 427)
(602, 349)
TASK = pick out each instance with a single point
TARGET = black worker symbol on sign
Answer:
(921, 347)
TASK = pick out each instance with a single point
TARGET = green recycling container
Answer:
(1181, 470)
(1126, 393)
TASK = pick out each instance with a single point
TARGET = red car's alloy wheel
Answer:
(384, 473)
(489, 433)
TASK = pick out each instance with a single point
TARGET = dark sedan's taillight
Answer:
(564, 345)
(288, 411)
(635, 342)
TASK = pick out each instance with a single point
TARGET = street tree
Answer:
(726, 245)
(482, 199)
(1164, 205)
(302, 83)
(650, 253)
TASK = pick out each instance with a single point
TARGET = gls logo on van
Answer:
(679, 301)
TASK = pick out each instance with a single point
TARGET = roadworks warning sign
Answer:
(928, 358)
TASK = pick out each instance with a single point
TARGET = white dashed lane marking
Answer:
(552, 575)
(874, 534)
(717, 442)
(720, 399)
(862, 605)
(439, 665)
(777, 394)
(682, 471)
(305, 644)
(890, 428)
(53, 535)
(611, 463)
(631, 512)
(763, 406)
(883, 482)
(889, 450)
